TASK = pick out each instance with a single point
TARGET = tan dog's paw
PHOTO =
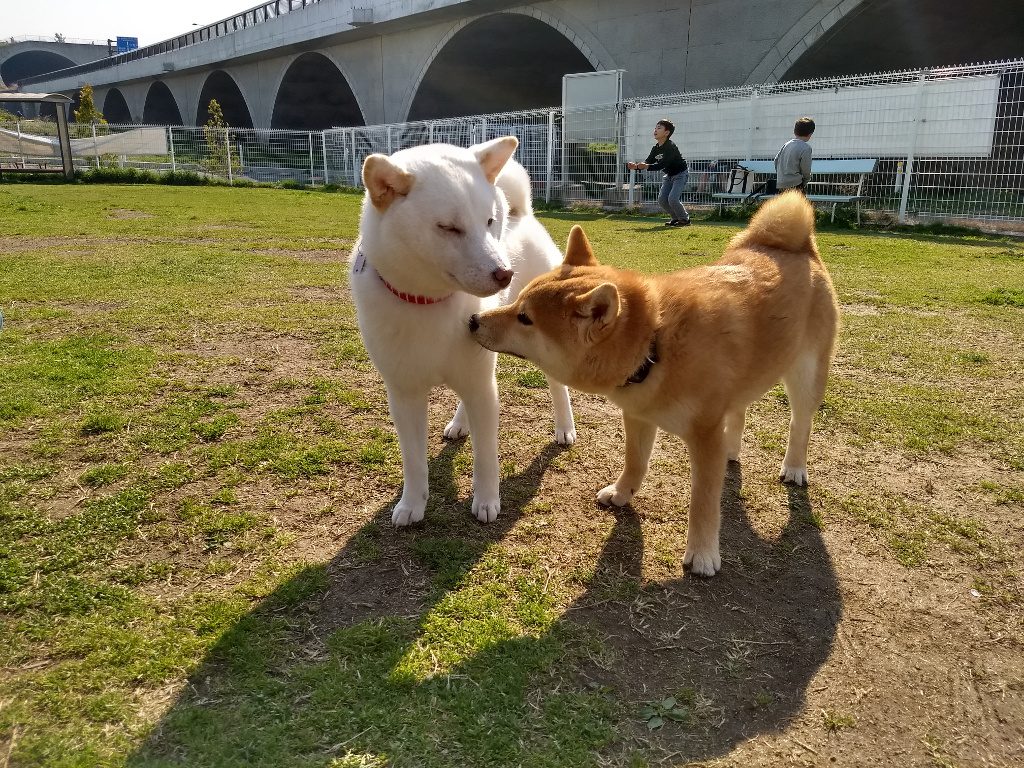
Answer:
(612, 496)
(703, 563)
(565, 436)
(486, 510)
(795, 475)
(406, 514)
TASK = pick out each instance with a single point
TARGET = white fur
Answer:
(418, 347)
(531, 252)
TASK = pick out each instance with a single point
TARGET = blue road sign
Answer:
(125, 44)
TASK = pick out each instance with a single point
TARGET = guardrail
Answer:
(49, 39)
(259, 14)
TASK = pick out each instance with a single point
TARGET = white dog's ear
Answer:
(384, 181)
(492, 155)
(599, 309)
(578, 252)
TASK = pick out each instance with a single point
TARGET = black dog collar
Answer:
(641, 373)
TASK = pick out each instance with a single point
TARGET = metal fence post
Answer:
(551, 156)
(170, 143)
(751, 116)
(312, 173)
(323, 147)
(619, 152)
(95, 146)
(227, 146)
(21, 149)
(908, 169)
(355, 168)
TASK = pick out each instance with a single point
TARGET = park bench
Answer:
(842, 180)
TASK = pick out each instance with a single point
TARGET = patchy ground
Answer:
(198, 566)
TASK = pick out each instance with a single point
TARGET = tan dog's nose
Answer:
(474, 323)
(502, 276)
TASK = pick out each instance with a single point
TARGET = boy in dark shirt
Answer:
(664, 156)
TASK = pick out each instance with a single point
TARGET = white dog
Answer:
(432, 245)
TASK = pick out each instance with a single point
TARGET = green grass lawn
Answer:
(197, 469)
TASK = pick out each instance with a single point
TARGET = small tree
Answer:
(87, 112)
(215, 132)
(59, 38)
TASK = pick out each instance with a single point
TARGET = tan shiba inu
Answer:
(687, 351)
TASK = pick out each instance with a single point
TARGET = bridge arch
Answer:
(161, 107)
(889, 35)
(31, 63)
(115, 108)
(313, 95)
(526, 54)
(791, 46)
(222, 87)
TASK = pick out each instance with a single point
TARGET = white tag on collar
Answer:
(359, 264)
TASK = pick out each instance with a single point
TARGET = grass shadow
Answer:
(433, 647)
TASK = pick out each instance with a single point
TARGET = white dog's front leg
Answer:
(565, 426)
(640, 437)
(481, 401)
(458, 427)
(409, 413)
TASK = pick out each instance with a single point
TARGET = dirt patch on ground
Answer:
(125, 213)
(815, 645)
(314, 256)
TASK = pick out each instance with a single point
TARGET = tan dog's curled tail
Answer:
(785, 222)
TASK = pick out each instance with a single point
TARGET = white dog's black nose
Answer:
(502, 276)
(474, 323)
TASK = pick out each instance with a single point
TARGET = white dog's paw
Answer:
(795, 475)
(611, 495)
(565, 436)
(705, 562)
(486, 510)
(456, 429)
(405, 513)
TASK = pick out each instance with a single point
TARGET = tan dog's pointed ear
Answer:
(385, 181)
(492, 155)
(599, 308)
(578, 252)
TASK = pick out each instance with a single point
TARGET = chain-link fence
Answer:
(949, 143)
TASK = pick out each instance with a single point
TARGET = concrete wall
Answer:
(665, 46)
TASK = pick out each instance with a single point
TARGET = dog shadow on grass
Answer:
(434, 647)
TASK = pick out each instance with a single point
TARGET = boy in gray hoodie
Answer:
(793, 163)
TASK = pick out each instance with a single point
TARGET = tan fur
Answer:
(724, 334)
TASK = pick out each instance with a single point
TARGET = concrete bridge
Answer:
(21, 58)
(312, 64)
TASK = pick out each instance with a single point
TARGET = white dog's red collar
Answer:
(360, 264)
(409, 297)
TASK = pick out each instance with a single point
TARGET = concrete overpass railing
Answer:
(258, 14)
